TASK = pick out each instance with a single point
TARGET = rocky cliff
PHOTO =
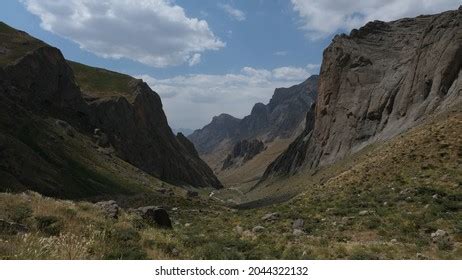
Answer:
(38, 84)
(221, 127)
(243, 151)
(376, 83)
(281, 117)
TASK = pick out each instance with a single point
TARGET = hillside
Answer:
(83, 135)
(382, 203)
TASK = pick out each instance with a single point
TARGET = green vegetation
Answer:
(97, 82)
(385, 204)
(15, 44)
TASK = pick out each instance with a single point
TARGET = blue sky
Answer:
(203, 57)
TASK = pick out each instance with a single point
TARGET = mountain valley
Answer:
(363, 161)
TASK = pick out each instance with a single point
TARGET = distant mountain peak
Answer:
(281, 117)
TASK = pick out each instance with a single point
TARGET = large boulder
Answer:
(271, 217)
(110, 208)
(155, 216)
(442, 239)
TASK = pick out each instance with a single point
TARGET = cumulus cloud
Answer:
(154, 32)
(233, 12)
(192, 100)
(321, 18)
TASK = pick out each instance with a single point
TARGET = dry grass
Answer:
(409, 188)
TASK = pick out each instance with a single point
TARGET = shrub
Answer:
(50, 225)
(19, 213)
(124, 243)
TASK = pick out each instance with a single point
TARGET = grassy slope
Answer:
(102, 83)
(15, 44)
(39, 155)
(46, 159)
(395, 181)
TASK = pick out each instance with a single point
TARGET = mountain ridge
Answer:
(403, 81)
(37, 83)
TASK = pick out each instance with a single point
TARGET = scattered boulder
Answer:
(442, 239)
(298, 232)
(67, 128)
(435, 196)
(162, 190)
(175, 252)
(421, 256)
(101, 138)
(258, 229)
(298, 224)
(365, 212)
(110, 208)
(271, 217)
(191, 194)
(12, 228)
(155, 216)
(239, 230)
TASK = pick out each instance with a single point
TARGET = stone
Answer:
(364, 213)
(162, 190)
(394, 241)
(110, 208)
(156, 216)
(298, 232)
(441, 238)
(421, 256)
(191, 194)
(298, 224)
(239, 230)
(67, 128)
(258, 229)
(435, 196)
(271, 217)
(11, 228)
(175, 252)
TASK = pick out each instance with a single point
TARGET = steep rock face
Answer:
(36, 83)
(279, 118)
(210, 136)
(378, 82)
(139, 132)
(243, 151)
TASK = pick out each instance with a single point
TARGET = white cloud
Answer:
(291, 73)
(192, 100)
(195, 59)
(233, 12)
(321, 18)
(153, 32)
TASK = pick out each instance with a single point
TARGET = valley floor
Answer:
(401, 199)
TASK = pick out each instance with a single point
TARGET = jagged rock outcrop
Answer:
(210, 136)
(36, 83)
(378, 82)
(139, 132)
(243, 151)
(281, 117)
